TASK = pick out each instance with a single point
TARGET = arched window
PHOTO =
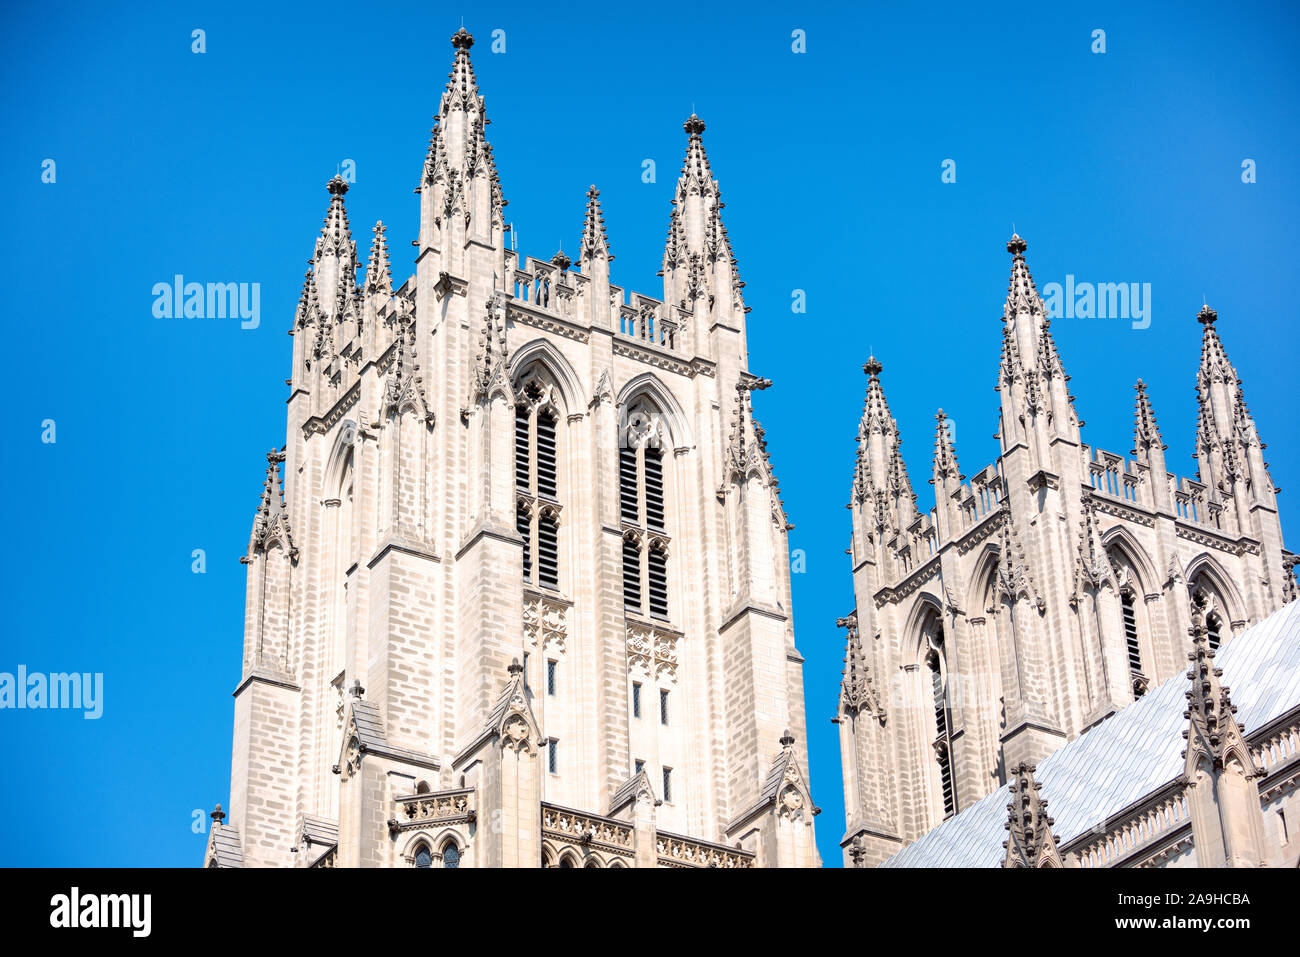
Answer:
(422, 856)
(938, 688)
(537, 483)
(643, 511)
(450, 855)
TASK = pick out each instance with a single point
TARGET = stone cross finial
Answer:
(693, 125)
(462, 39)
(218, 816)
(1017, 246)
(1207, 316)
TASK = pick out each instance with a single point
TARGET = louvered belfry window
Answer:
(942, 743)
(1134, 647)
(537, 486)
(642, 503)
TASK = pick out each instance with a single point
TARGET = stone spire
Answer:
(857, 691)
(1092, 567)
(271, 523)
(1029, 828)
(1228, 447)
(595, 242)
(491, 362)
(1212, 733)
(1036, 403)
(881, 476)
(699, 269)
(945, 454)
(459, 186)
(379, 276)
(335, 257)
(1146, 433)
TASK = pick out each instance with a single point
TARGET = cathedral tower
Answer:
(518, 583)
(1042, 594)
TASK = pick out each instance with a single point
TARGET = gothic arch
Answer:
(985, 567)
(339, 459)
(1120, 539)
(544, 353)
(674, 416)
(435, 842)
(917, 623)
(1205, 566)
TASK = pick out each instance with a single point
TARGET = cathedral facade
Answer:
(1055, 587)
(518, 585)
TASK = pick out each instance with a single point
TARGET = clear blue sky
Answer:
(1122, 166)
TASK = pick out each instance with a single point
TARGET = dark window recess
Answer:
(631, 576)
(658, 583)
(546, 484)
(1212, 623)
(1131, 633)
(945, 780)
(940, 708)
(550, 677)
(941, 726)
(627, 494)
(654, 488)
(523, 527)
(521, 448)
(668, 784)
(636, 699)
(663, 707)
(548, 552)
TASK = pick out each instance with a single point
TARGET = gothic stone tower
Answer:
(1044, 594)
(524, 599)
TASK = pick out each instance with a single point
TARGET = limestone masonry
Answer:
(524, 598)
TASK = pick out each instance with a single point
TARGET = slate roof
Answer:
(1129, 755)
(225, 846)
(371, 735)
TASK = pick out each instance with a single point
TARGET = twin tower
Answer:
(518, 584)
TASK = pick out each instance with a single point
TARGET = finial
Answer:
(338, 186)
(1017, 246)
(872, 367)
(515, 667)
(357, 690)
(787, 739)
(217, 816)
(1207, 316)
(462, 39)
(561, 260)
(693, 125)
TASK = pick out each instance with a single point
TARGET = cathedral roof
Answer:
(224, 849)
(1128, 756)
